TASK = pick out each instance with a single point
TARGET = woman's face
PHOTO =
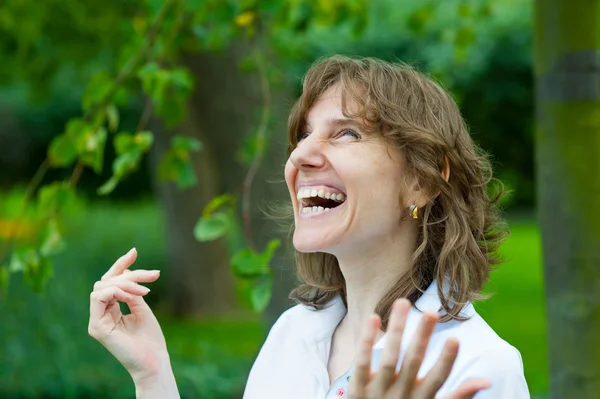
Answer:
(345, 184)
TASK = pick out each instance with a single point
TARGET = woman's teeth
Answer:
(308, 193)
(314, 209)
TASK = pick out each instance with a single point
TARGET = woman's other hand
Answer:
(388, 383)
(136, 339)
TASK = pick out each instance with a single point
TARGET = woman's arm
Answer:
(159, 386)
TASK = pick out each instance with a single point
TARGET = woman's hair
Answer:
(460, 228)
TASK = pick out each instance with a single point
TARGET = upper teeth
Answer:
(311, 192)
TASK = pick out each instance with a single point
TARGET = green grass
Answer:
(516, 310)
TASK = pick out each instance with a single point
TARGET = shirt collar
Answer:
(325, 321)
(429, 301)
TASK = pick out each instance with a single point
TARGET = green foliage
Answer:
(249, 263)
(53, 197)
(176, 164)
(51, 240)
(168, 89)
(44, 337)
(212, 226)
(130, 149)
(62, 151)
(253, 265)
(36, 269)
(261, 293)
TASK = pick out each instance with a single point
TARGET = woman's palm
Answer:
(135, 339)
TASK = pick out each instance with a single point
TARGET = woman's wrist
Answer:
(157, 384)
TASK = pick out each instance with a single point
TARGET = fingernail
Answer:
(131, 250)
(156, 271)
(146, 289)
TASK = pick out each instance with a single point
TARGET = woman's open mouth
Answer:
(315, 200)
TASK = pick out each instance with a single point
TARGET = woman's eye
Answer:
(301, 136)
(350, 133)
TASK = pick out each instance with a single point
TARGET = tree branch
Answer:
(261, 137)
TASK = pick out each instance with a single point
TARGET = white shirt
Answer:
(292, 363)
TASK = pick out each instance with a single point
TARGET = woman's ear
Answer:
(418, 196)
(445, 173)
(446, 169)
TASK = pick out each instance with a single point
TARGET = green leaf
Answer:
(261, 293)
(217, 202)
(109, 186)
(112, 114)
(176, 165)
(169, 90)
(23, 258)
(211, 227)
(51, 242)
(248, 263)
(147, 74)
(182, 79)
(38, 274)
(97, 89)
(167, 168)
(125, 163)
(186, 176)
(52, 197)
(123, 142)
(143, 140)
(186, 143)
(269, 251)
(62, 151)
(91, 148)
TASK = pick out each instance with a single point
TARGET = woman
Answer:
(391, 217)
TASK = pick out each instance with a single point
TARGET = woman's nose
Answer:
(309, 154)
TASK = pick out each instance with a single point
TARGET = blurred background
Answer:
(84, 83)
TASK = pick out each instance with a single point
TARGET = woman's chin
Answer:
(308, 245)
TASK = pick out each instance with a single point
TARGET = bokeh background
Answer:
(242, 66)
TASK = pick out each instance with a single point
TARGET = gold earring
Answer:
(414, 211)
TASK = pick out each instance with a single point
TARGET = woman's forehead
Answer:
(333, 107)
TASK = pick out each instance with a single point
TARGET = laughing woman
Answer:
(395, 237)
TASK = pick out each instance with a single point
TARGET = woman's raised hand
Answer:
(136, 339)
(387, 383)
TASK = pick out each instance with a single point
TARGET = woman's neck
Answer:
(369, 274)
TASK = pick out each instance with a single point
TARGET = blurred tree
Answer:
(567, 70)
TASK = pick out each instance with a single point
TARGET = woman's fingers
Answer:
(440, 371)
(126, 285)
(121, 264)
(362, 364)
(468, 389)
(139, 276)
(99, 301)
(414, 355)
(391, 352)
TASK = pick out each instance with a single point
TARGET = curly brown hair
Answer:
(460, 228)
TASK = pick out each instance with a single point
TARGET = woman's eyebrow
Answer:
(339, 122)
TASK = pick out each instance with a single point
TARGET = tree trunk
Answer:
(567, 70)
(223, 111)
